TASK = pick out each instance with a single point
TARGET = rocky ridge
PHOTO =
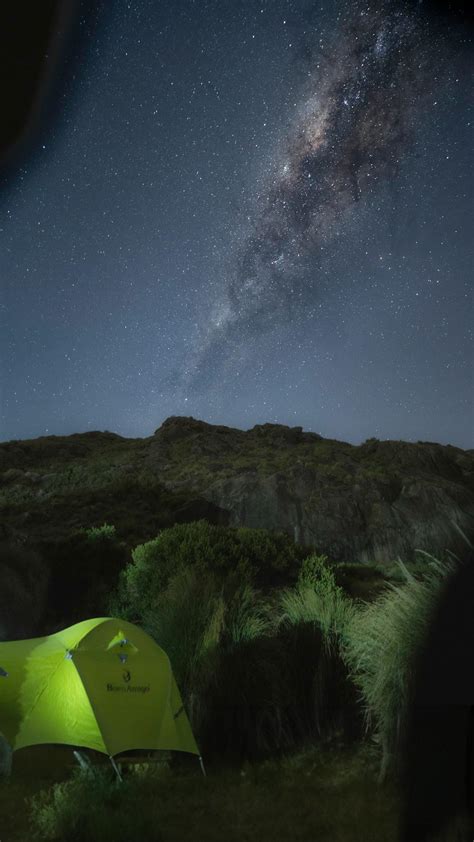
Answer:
(371, 502)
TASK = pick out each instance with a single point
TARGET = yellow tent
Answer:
(102, 684)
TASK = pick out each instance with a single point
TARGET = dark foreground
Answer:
(324, 795)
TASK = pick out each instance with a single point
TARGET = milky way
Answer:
(248, 213)
(364, 89)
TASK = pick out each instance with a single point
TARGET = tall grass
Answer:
(380, 647)
(259, 674)
(219, 637)
(318, 600)
(187, 620)
(314, 616)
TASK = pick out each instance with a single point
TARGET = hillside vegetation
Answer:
(372, 502)
(297, 693)
(267, 564)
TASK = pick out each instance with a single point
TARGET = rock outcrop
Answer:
(373, 502)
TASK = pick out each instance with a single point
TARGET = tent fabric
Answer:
(102, 684)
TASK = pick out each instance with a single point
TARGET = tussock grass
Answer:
(315, 615)
(227, 664)
(262, 673)
(316, 599)
(259, 674)
(380, 646)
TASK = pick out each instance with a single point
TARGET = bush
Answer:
(258, 673)
(255, 556)
(246, 683)
(101, 533)
(94, 807)
(380, 648)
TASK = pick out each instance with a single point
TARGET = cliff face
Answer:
(356, 518)
(372, 502)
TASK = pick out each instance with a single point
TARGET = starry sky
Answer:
(247, 212)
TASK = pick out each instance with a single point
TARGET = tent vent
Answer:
(3, 673)
(68, 655)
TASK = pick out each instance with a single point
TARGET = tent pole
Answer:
(84, 762)
(202, 766)
(115, 768)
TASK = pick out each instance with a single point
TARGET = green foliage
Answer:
(101, 533)
(399, 571)
(314, 615)
(381, 643)
(318, 600)
(258, 673)
(254, 556)
(249, 616)
(199, 591)
(94, 807)
(186, 620)
(216, 634)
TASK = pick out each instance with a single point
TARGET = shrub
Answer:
(380, 648)
(261, 558)
(235, 669)
(100, 533)
(258, 672)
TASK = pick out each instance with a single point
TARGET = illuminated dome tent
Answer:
(102, 684)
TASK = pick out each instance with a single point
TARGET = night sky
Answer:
(247, 212)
